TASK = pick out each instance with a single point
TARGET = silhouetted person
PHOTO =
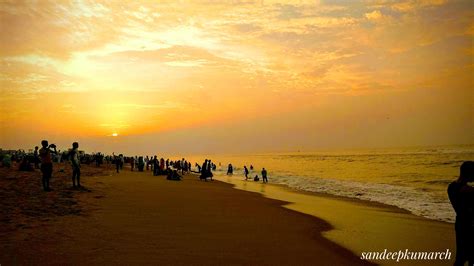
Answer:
(36, 157)
(264, 176)
(98, 159)
(121, 161)
(76, 165)
(156, 166)
(25, 165)
(461, 196)
(184, 165)
(173, 175)
(206, 170)
(118, 161)
(7, 160)
(203, 168)
(209, 169)
(246, 172)
(198, 167)
(162, 165)
(46, 163)
(230, 170)
(251, 167)
(141, 164)
(256, 178)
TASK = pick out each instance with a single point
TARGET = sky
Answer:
(184, 77)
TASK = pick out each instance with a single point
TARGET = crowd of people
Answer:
(44, 157)
(230, 171)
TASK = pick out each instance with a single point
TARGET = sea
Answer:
(414, 179)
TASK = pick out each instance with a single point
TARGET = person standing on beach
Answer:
(246, 172)
(461, 195)
(117, 163)
(155, 164)
(162, 165)
(36, 157)
(122, 161)
(264, 176)
(46, 163)
(76, 165)
(204, 174)
(132, 163)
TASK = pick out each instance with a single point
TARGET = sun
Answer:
(114, 134)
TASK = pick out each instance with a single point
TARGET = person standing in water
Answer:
(246, 172)
(230, 169)
(209, 169)
(461, 195)
(264, 176)
(46, 163)
(76, 165)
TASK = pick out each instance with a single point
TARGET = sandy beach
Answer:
(136, 218)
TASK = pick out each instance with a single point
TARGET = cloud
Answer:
(27, 75)
(413, 5)
(374, 15)
(54, 29)
(207, 62)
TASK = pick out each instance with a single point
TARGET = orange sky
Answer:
(236, 76)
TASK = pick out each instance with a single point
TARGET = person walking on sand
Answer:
(76, 165)
(246, 172)
(461, 195)
(264, 176)
(46, 163)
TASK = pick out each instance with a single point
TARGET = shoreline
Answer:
(364, 202)
(143, 219)
(370, 226)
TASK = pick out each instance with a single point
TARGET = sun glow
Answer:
(187, 73)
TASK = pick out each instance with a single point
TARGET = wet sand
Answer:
(136, 218)
(363, 226)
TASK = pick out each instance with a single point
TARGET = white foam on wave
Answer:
(422, 203)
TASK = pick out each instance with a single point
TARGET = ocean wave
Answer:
(418, 201)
